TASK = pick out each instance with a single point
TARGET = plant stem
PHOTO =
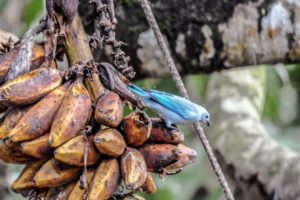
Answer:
(78, 51)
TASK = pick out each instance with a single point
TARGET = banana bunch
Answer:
(77, 149)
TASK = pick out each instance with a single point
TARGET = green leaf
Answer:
(271, 107)
(32, 11)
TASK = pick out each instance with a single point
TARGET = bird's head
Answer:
(205, 117)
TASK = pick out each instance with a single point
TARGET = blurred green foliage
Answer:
(32, 12)
(3, 4)
(272, 91)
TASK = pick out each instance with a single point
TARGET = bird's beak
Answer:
(207, 123)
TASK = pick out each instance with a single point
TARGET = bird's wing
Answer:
(139, 91)
(179, 105)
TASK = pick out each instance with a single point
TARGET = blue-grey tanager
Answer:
(173, 109)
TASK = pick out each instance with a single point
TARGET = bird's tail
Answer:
(137, 90)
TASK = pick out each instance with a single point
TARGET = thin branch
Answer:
(180, 86)
(23, 61)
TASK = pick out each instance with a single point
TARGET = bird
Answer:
(172, 108)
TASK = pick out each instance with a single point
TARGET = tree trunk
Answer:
(208, 35)
(259, 167)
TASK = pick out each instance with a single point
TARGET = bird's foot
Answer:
(170, 125)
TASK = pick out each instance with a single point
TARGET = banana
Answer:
(61, 192)
(10, 122)
(186, 156)
(5, 62)
(110, 142)
(72, 115)
(79, 193)
(136, 128)
(109, 110)
(149, 185)
(72, 152)
(167, 158)
(51, 174)
(30, 87)
(34, 193)
(38, 56)
(37, 148)
(41, 193)
(133, 168)
(158, 156)
(12, 154)
(38, 119)
(105, 180)
(160, 133)
(25, 180)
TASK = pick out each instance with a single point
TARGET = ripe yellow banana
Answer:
(25, 180)
(105, 180)
(133, 168)
(72, 115)
(37, 148)
(79, 193)
(10, 122)
(30, 87)
(72, 152)
(109, 110)
(110, 142)
(38, 119)
(51, 174)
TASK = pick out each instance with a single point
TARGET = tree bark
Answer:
(259, 167)
(208, 35)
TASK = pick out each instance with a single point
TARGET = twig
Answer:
(23, 60)
(180, 86)
(105, 35)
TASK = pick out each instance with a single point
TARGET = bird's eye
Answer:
(206, 116)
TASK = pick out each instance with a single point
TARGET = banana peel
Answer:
(133, 168)
(38, 119)
(37, 148)
(72, 115)
(51, 174)
(110, 142)
(105, 180)
(72, 152)
(30, 87)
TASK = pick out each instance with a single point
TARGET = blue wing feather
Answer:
(139, 91)
(179, 105)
